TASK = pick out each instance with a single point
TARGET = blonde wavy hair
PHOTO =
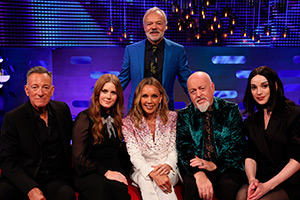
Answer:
(137, 112)
(115, 110)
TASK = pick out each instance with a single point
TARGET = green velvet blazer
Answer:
(227, 130)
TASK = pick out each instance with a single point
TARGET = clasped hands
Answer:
(257, 189)
(160, 176)
(204, 185)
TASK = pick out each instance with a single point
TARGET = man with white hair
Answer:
(155, 57)
(209, 143)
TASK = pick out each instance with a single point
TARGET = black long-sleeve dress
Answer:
(91, 162)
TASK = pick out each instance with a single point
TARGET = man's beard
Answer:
(203, 107)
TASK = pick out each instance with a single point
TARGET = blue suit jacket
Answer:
(175, 63)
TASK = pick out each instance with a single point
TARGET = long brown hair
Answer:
(137, 112)
(115, 110)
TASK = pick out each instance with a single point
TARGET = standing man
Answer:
(209, 143)
(35, 145)
(155, 57)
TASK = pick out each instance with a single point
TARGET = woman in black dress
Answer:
(273, 131)
(97, 140)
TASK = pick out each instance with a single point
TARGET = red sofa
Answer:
(136, 195)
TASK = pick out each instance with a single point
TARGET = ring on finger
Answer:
(164, 189)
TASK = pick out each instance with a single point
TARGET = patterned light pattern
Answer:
(63, 23)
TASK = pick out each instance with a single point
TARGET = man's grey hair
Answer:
(39, 70)
(156, 9)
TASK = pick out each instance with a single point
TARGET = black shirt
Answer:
(160, 59)
(52, 157)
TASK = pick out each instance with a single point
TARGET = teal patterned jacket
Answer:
(227, 130)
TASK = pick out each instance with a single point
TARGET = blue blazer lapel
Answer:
(139, 58)
(167, 57)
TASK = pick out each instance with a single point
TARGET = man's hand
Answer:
(203, 164)
(205, 188)
(162, 181)
(35, 194)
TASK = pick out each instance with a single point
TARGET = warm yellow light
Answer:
(225, 35)
(111, 29)
(226, 14)
(215, 18)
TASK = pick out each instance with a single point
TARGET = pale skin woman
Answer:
(107, 99)
(150, 100)
(261, 93)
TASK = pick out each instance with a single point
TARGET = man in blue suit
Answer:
(155, 56)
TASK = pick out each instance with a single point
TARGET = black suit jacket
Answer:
(20, 147)
(272, 148)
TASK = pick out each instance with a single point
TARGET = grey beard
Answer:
(203, 108)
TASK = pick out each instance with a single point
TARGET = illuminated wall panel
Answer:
(63, 23)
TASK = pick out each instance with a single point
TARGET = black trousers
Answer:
(225, 185)
(58, 189)
(95, 187)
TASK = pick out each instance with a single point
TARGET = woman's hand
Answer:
(256, 190)
(203, 164)
(253, 184)
(116, 176)
(35, 194)
(162, 169)
(162, 181)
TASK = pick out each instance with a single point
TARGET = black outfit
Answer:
(272, 148)
(35, 155)
(91, 161)
(159, 54)
(225, 185)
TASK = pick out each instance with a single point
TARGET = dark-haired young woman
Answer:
(273, 131)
